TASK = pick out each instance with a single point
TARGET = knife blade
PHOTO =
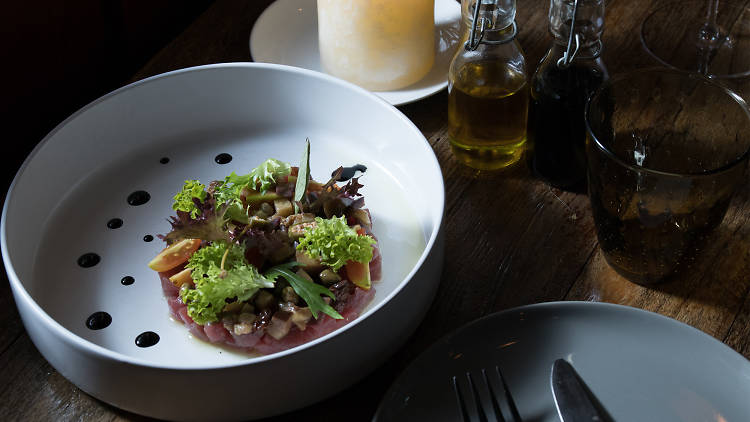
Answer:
(573, 399)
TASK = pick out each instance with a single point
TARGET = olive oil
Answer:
(487, 114)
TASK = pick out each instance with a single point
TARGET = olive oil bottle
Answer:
(488, 91)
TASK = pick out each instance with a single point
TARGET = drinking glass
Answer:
(711, 37)
(666, 152)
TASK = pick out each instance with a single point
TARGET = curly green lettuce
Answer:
(268, 173)
(220, 273)
(229, 191)
(183, 201)
(334, 243)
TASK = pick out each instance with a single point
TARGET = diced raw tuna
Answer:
(259, 341)
(319, 328)
(376, 270)
(170, 290)
(247, 341)
(217, 333)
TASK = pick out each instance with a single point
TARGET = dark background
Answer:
(60, 55)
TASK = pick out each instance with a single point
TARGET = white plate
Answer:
(641, 366)
(287, 33)
(79, 177)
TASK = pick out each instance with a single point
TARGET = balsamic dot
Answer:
(98, 320)
(114, 223)
(148, 238)
(88, 260)
(138, 197)
(164, 160)
(146, 339)
(223, 158)
(127, 280)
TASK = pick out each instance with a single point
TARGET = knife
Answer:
(573, 399)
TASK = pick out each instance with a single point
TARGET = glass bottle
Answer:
(487, 87)
(571, 70)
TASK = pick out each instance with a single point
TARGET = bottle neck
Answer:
(591, 50)
(496, 14)
(584, 17)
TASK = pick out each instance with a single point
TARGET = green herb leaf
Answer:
(183, 201)
(310, 292)
(334, 243)
(303, 176)
(214, 284)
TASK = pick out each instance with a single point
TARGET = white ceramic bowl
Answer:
(79, 176)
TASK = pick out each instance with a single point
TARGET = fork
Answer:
(485, 397)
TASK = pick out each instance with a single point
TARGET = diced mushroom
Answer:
(328, 277)
(233, 307)
(289, 295)
(247, 308)
(362, 217)
(259, 222)
(263, 300)
(299, 219)
(259, 213)
(228, 323)
(281, 254)
(307, 262)
(283, 207)
(267, 208)
(334, 207)
(280, 325)
(298, 230)
(302, 273)
(301, 317)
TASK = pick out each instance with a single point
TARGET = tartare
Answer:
(271, 259)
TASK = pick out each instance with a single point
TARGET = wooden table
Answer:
(511, 240)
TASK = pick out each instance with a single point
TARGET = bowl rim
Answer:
(673, 73)
(21, 294)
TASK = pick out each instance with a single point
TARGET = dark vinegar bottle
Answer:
(569, 73)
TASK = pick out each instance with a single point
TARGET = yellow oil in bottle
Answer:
(487, 112)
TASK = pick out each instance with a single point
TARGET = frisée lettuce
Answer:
(334, 243)
(220, 272)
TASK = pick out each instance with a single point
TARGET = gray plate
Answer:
(642, 366)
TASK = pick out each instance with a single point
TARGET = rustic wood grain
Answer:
(510, 239)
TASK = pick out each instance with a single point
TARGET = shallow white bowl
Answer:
(79, 176)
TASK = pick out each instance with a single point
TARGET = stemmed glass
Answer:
(711, 37)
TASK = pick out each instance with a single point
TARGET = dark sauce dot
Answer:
(223, 158)
(138, 197)
(349, 172)
(164, 160)
(88, 260)
(127, 280)
(147, 339)
(114, 223)
(148, 238)
(98, 320)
